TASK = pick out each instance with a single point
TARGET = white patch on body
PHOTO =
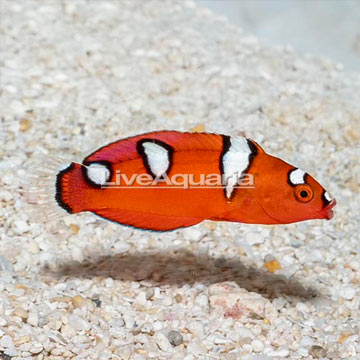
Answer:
(98, 173)
(235, 161)
(157, 158)
(297, 177)
(328, 197)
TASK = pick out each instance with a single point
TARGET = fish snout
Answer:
(327, 211)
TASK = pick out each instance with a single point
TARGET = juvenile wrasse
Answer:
(166, 180)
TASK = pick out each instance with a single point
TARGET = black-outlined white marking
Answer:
(296, 177)
(98, 173)
(157, 156)
(235, 160)
(328, 197)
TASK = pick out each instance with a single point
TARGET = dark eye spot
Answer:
(304, 194)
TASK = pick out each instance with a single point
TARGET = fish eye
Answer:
(303, 193)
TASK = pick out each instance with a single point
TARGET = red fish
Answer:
(167, 180)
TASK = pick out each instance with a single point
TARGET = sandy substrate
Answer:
(78, 74)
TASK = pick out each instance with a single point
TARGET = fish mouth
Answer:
(327, 212)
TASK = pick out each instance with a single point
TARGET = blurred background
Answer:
(324, 28)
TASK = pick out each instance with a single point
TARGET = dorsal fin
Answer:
(126, 149)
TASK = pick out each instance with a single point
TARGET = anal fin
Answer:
(145, 221)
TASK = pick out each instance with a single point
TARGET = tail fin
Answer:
(40, 188)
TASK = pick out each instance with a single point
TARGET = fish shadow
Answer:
(181, 266)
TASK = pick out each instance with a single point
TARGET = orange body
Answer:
(162, 206)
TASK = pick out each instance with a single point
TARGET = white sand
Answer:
(78, 74)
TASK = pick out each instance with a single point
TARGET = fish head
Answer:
(288, 194)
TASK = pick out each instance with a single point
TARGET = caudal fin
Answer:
(39, 188)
